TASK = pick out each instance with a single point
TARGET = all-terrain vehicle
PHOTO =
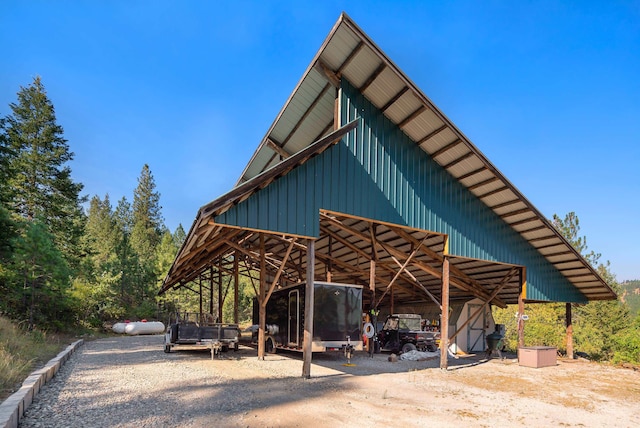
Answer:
(403, 333)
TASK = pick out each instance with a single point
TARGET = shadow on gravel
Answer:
(187, 387)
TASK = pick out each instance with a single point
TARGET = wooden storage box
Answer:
(537, 356)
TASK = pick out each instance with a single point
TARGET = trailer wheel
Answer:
(269, 346)
(408, 347)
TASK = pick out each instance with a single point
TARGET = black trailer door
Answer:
(294, 317)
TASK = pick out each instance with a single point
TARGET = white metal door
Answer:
(475, 329)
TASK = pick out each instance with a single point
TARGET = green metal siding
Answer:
(377, 172)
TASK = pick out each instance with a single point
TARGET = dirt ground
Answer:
(474, 391)
(130, 381)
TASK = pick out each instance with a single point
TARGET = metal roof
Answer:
(308, 115)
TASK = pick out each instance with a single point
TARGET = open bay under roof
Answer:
(313, 125)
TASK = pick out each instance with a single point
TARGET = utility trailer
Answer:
(196, 331)
(337, 318)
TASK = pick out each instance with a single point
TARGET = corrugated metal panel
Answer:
(378, 172)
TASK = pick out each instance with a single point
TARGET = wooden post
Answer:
(330, 264)
(308, 311)
(220, 297)
(261, 296)
(211, 290)
(200, 284)
(444, 318)
(521, 296)
(235, 287)
(392, 308)
(372, 282)
(569, 332)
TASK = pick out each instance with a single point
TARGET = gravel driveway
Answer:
(128, 381)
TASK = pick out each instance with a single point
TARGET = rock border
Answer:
(12, 409)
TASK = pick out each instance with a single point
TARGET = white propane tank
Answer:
(144, 327)
(118, 327)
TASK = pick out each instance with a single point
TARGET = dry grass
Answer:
(21, 352)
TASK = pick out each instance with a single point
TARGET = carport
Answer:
(361, 179)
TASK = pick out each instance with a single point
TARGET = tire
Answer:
(167, 349)
(408, 347)
(269, 346)
(368, 330)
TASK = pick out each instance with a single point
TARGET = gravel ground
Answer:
(128, 381)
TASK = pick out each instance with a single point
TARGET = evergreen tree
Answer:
(38, 174)
(6, 158)
(126, 258)
(101, 233)
(147, 218)
(179, 236)
(43, 273)
(166, 252)
(145, 236)
(97, 292)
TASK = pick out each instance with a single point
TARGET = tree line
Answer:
(62, 264)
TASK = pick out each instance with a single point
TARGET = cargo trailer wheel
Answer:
(408, 347)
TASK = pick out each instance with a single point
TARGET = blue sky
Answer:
(548, 91)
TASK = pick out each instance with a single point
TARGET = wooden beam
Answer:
(483, 183)
(329, 74)
(262, 311)
(210, 290)
(431, 135)
(493, 192)
(472, 173)
(521, 297)
(495, 292)
(458, 160)
(445, 148)
(402, 268)
(355, 249)
(412, 116)
(349, 58)
(279, 150)
(444, 316)
(236, 278)
(221, 297)
(308, 311)
(395, 98)
(373, 77)
(278, 273)
(461, 280)
(569, 324)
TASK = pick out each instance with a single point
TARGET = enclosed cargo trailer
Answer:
(337, 318)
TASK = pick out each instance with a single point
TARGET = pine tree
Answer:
(38, 175)
(145, 235)
(179, 236)
(44, 276)
(147, 218)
